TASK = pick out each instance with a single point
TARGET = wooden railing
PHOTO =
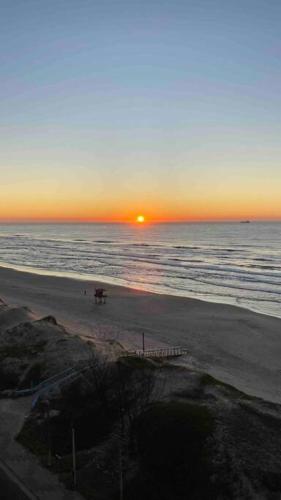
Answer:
(164, 352)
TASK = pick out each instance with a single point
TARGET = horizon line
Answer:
(133, 221)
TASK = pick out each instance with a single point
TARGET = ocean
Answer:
(229, 263)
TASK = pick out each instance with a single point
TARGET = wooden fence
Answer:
(165, 352)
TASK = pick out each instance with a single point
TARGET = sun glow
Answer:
(140, 219)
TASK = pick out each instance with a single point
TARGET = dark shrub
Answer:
(174, 454)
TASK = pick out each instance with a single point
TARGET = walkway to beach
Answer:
(19, 464)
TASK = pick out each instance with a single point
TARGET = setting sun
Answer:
(140, 219)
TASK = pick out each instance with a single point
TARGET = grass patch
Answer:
(208, 380)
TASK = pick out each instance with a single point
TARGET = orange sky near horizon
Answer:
(212, 189)
(43, 207)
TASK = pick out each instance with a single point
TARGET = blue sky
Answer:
(171, 105)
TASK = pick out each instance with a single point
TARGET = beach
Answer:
(228, 263)
(235, 345)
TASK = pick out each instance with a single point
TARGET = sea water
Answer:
(232, 263)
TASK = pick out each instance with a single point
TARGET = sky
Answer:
(168, 108)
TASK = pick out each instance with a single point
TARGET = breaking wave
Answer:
(229, 263)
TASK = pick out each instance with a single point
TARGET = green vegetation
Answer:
(34, 438)
(195, 446)
(165, 446)
(7, 380)
(34, 375)
(94, 404)
(20, 355)
(21, 351)
(208, 380)
(139, 362)
(174, 452)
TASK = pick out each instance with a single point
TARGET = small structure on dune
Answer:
(100, 296)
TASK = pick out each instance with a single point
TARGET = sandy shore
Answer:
(238, 346)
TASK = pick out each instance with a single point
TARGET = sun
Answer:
(140, 219)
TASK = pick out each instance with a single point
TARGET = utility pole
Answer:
(121, 478)
(143, 347)
(121, 455)
(121, 434)
(73, 458)
(49, 433)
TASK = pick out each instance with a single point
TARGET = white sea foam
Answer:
(231, 263)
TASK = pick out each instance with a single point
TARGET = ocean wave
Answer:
(237, 287)
(209, 261)
(184, 247)
(273, 268)
(103, 241)
(259, 259)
